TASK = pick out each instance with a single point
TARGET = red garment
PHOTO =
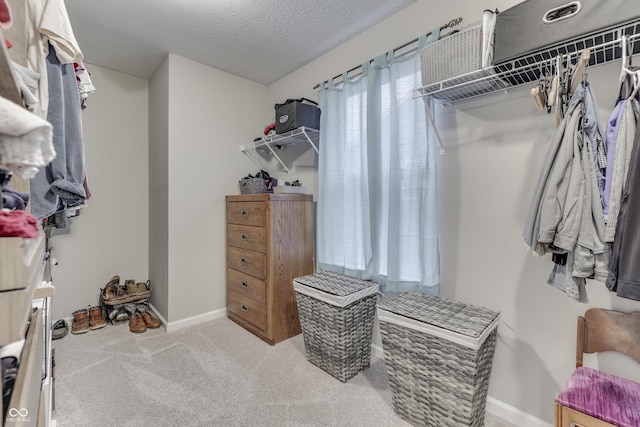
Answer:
(5, 19)
(5, 14)
(18, 223)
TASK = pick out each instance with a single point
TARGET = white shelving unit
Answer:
(26, 319)
(605, 46)
(272, 144)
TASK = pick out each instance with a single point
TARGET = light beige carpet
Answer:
(213, 374)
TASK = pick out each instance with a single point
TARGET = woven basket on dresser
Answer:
(336, 314)
(252, 186)
(438, 355)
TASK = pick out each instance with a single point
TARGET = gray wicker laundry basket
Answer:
(438, 355)
(336, 314)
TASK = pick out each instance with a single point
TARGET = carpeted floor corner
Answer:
(213, 374)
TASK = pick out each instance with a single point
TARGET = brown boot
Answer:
(150, 321)
(96, 318)
(136, 323)
(80, 323)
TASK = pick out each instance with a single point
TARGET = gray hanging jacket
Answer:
(565, 216)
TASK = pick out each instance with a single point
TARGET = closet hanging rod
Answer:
(454, 22)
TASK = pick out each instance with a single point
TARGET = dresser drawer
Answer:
(247, 309)
(250, 262)
(247, 213)
(243, 236)
(247, 285)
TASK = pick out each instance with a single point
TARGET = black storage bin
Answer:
(294, 114)
(533, 25)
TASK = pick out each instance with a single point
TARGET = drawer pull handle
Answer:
(244, 261)
(244, 213)
(244, 308)
(245, 285)
(559, 13)
(244, 237)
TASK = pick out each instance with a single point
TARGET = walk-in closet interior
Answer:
(346, 213)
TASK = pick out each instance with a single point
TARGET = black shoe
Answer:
(60, 329)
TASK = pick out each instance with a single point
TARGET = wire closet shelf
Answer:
(605, 46)
(267, 144)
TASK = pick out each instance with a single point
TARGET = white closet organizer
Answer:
(605, 46)
(271, 144)
(26, 294)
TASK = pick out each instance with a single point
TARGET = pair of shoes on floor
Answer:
(140, 322)
(87, 319)
(117, 313)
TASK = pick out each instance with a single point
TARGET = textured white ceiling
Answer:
(261, 40)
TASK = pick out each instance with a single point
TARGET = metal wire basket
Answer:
(454, 55)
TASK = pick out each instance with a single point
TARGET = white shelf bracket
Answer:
(433, 123)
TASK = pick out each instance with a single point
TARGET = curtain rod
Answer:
(450, 24)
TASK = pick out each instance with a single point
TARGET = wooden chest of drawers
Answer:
(269, 243)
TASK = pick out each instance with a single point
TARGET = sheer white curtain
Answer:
(377, 211)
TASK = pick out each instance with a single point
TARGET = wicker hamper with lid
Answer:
(336, 314)
(438, 355)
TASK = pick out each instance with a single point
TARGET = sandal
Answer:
(60, 329)
(111, 290)
(130, 287)
(142, 287)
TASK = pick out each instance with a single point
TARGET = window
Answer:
(377, 203)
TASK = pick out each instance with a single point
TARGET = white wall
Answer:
(211, 113)
(110, 236)
(159, 188)
(494, 150)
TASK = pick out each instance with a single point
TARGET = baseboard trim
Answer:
(189, 321)
(495, 406)
(513, 414)
(159, 316)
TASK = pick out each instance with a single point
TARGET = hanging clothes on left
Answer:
(565, 217)
(48, 45)
(60, 184)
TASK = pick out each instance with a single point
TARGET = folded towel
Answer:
(26, 140)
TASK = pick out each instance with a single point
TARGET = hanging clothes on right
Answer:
(624, 268)
(621, 131)
(565, 217)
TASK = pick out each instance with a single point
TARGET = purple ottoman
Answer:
(604, 396)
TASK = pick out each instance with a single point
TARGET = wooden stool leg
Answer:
(558, 422)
